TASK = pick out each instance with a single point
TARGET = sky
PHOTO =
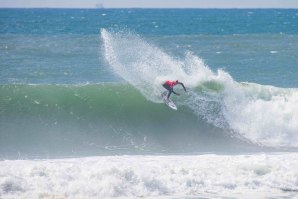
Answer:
(149, 3)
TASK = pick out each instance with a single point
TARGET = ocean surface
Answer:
(81, 114)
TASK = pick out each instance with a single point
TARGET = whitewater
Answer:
(208, 176)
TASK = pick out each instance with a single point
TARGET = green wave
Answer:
(95, 118)
(70, 102)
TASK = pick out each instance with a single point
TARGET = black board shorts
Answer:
(166, 86)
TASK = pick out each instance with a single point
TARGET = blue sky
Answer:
(152, 3)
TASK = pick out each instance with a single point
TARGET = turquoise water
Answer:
(63, 46)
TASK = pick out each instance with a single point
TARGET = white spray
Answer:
(265, 115)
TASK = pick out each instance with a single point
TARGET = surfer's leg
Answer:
(170, 92)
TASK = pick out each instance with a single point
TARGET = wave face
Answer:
(97, 119)
(264, 115)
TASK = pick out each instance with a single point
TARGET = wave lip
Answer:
(150, 176)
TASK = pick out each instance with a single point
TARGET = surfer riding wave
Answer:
(169, 85)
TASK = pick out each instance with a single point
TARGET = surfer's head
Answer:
(177, 81)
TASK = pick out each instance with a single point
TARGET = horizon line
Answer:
(95, 8)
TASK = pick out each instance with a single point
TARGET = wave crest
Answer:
(265, 115)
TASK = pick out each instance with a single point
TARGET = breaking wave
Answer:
(264, 115)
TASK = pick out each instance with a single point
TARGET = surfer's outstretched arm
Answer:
(182, 86)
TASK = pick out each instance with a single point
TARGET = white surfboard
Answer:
(168, 102)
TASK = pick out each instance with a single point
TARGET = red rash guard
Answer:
(171, 83)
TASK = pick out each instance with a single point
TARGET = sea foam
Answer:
(150, 176)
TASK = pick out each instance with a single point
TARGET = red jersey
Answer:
(171, 83)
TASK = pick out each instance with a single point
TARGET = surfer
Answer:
(169, 85)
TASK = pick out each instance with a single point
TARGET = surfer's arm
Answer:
(182, 86)
(175, 93)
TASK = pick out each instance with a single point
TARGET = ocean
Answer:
(81, 114)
